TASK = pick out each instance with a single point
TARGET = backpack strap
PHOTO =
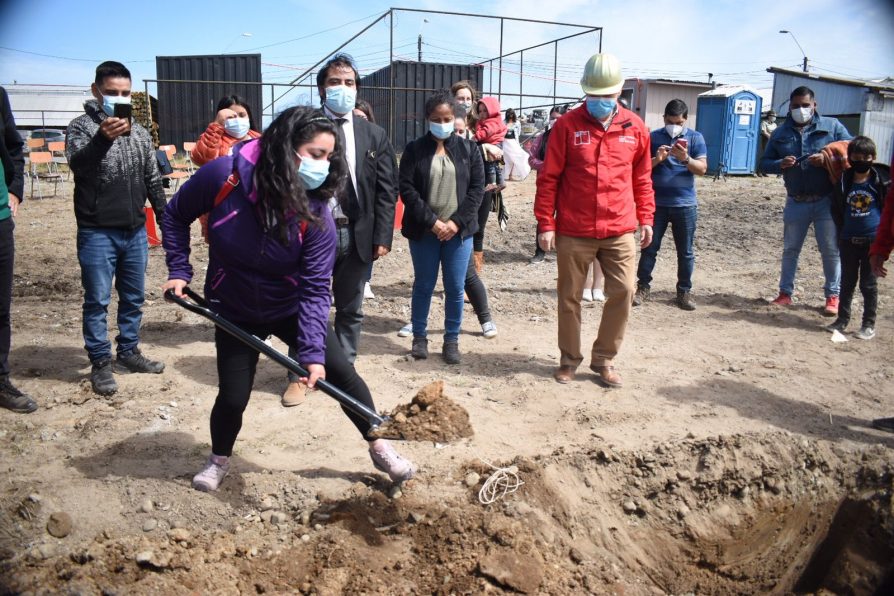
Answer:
(225, 190)
(228, 186)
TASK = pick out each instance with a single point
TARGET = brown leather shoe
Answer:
(294, 395)
(607, 377)
(564, 374)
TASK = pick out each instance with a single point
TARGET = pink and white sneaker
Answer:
(212, 474)
(387, 460)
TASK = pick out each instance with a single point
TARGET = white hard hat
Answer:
(602, 75)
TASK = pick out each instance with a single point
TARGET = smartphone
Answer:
(682, 143)
(124, 110)
(801, 159)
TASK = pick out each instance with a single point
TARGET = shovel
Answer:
(198, 305)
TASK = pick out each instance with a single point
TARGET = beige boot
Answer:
(294, 395)
(479, 261)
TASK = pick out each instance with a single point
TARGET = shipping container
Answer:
(399, 105)
(185, 109)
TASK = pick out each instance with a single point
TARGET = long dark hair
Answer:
(280, 190)
(228, 101)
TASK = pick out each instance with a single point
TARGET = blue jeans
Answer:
(453, 257)
(797, 218)
(682, 221)
(104, 254)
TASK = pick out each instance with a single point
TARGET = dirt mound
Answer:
(431, 416)
(740, 514)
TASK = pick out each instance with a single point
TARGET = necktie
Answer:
(351, 205)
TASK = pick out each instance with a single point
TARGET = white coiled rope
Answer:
(499, 484)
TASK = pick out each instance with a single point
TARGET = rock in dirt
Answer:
(179, 535)
(150, 524)
(629, 507)
(146, 505)
(472, 479)
(431, 416)
(59, 525)
(522, 573)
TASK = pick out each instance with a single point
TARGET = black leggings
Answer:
(236, 366)
(475, 289)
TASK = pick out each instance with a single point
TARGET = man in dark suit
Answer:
(364, 210)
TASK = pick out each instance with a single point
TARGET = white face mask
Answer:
(802, 115)
(674, 130)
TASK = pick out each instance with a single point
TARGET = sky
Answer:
(61, 42)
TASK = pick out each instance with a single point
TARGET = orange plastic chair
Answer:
(43, 157)
(35, 144)
(178, 174)
(188, 149)
(57, 148)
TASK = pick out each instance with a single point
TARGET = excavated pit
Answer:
(742, 514)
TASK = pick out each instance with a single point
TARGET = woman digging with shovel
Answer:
(271, 251)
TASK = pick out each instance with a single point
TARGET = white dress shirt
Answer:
(350, 155)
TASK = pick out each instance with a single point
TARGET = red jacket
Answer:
(214, 143)
(491, 129)
(884, 237)
(595, 183)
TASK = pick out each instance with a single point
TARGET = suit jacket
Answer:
(11, 149)
(375, 169)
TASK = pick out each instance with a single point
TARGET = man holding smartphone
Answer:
(795, 151)
(115, 171)
(679, 154)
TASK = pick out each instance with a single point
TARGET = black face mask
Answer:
(861, 167)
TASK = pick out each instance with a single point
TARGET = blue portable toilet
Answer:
(729, 119)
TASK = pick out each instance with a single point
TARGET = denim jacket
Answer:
(803, 179)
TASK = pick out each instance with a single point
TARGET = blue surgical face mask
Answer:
(109, 101)
(313, 172)
(440, 130)
(600, 107)
(341, 98)
(236, 127)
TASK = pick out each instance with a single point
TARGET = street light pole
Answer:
(419, 41)
(784, 31)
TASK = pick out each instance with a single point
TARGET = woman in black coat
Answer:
(442, 185)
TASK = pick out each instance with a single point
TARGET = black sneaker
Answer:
(838, 325)
(420, 348)
(642, 295)
(135, 362)
(685, 301)
(538, 257)
(13, 399)
(451, 352)
(102, 379)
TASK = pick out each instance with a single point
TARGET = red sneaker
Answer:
(831, 308)
(784, 300)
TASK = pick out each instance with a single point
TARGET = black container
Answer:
(401, 111)
(185, 109)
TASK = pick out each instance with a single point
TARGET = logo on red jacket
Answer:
(582, 137)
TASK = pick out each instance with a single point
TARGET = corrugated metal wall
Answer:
(414, 82)
(832, 99)
(185, 109)
(878, 124)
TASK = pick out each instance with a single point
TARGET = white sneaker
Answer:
(588, 295)
(489, 329)
(599, 295)
(212, 474)
(866, 332)
(387, 460)
(367, 292)
(406, 330)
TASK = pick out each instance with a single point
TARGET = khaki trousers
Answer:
(617, 256)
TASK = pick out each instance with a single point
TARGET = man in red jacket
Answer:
(595, 188)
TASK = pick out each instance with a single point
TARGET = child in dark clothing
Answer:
(856, 208)
(491, 130)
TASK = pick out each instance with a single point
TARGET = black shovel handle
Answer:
(199, 305)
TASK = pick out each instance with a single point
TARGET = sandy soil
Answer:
(738, 457)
